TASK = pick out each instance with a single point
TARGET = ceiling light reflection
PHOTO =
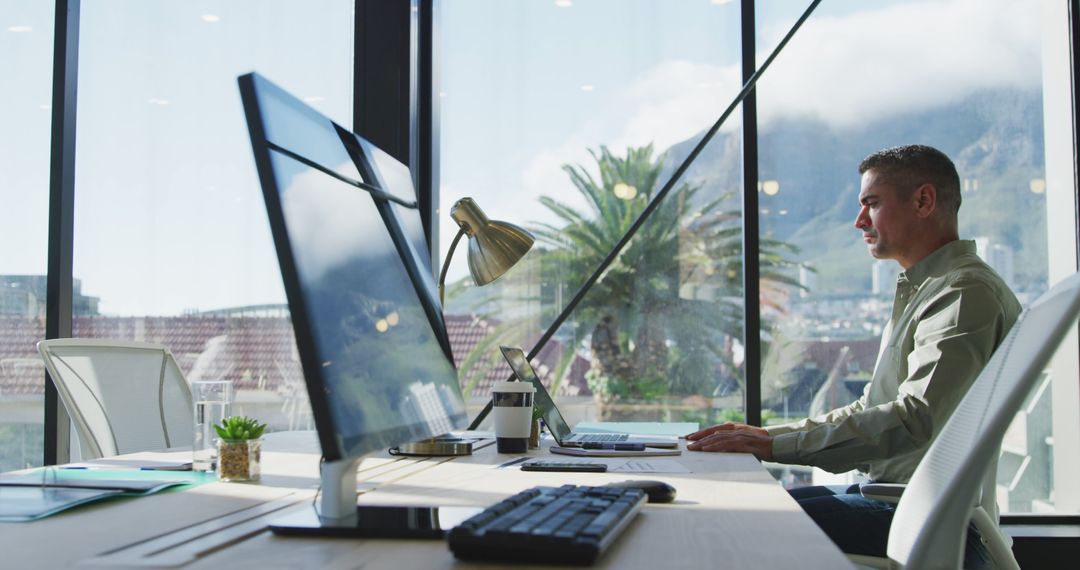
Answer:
(624, 191)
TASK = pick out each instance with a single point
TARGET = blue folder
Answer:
(42, 492)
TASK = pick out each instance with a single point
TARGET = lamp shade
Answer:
(494, 246)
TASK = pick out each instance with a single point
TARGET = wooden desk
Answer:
(729, 513)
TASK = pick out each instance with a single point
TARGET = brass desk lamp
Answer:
(494, 246)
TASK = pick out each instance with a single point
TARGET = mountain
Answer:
(995, 137)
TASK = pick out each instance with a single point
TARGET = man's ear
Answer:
(925, 198)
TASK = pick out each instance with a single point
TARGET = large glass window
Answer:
(26, 42)
(171, 240)
(962, 76)
(572, 138)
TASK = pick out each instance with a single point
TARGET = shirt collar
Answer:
(938, 262)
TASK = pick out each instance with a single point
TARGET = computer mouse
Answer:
(656, 491)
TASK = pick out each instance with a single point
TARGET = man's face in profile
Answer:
(886, 219)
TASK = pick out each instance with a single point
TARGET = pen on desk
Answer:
(615, 446)
(511, 462)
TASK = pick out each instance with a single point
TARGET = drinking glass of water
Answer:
(212, 400)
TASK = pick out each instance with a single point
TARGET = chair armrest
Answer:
(888, 492)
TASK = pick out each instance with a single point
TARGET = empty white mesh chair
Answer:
(122, 396)
(932, 513)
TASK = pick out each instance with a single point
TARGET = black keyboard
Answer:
(546, 525)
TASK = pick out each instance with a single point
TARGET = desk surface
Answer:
(728, 510)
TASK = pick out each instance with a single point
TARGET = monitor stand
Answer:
(339, 515)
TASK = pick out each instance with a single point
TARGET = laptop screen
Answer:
(525, 373)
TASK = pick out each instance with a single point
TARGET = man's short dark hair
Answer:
(910, 166)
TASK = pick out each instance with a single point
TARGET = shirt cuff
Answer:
(783, 428)
(785, 448)
(780, 429)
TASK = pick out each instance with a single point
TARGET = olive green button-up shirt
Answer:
(950, 313)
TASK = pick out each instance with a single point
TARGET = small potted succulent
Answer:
(239, 448)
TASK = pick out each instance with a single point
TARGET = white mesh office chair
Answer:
(122, 396)
(934, 508)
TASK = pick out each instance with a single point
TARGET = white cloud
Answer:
(844, 70)
(675, 101)
(668, 104)
(903, 58)
(322, 217)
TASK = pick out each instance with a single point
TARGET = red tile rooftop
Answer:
(256, 353)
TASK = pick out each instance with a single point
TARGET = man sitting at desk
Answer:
(950, 312)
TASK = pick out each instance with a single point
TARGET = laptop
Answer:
(560, 430)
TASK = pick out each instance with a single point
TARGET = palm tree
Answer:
(668, 309)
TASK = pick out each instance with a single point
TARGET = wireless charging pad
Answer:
(440, 446)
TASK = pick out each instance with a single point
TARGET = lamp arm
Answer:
(446, 264)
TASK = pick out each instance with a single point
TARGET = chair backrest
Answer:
(122, 396)
(928, 529)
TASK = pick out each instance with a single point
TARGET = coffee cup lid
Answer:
(513, 386)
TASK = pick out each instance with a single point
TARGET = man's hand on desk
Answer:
(733, 437)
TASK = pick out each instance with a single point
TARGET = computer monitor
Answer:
(357, 275)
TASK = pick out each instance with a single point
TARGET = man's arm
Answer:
(739, 437)
(955, 337)
(802, 425)
(751, 439)
(829, 418)
(953, 340)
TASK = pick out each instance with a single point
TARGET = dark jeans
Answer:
(861, 526)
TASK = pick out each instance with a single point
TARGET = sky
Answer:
(851, 62)
(169, 215)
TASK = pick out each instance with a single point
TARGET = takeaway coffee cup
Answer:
(512, 404)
